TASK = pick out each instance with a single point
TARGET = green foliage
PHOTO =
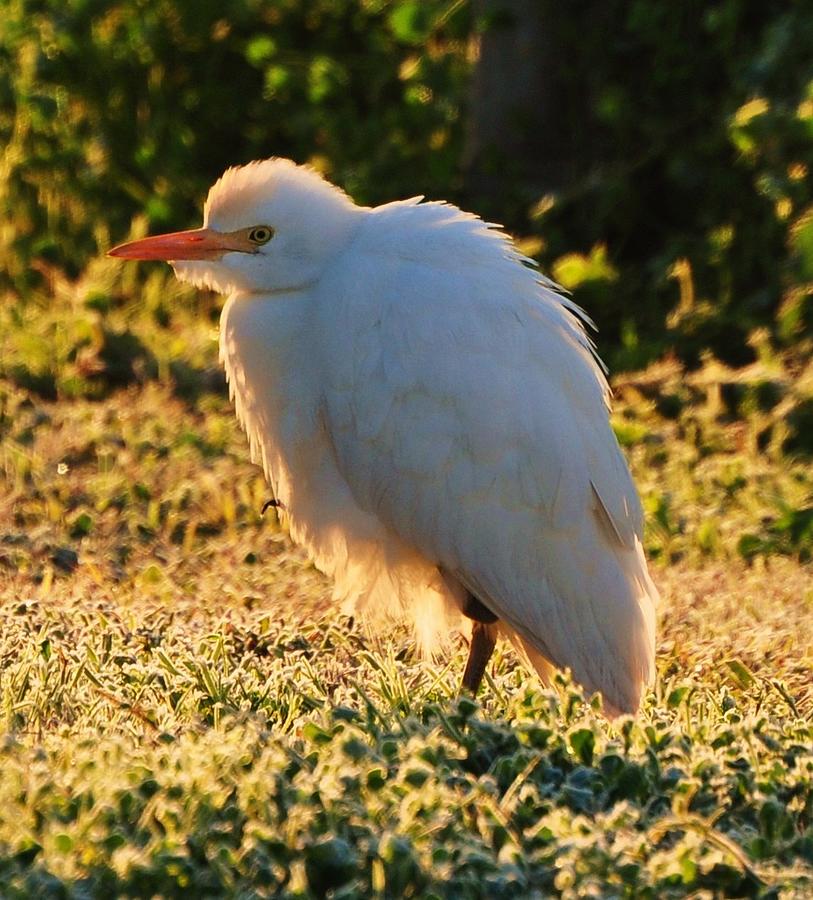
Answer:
(693, 130)
(179, 715)
(183, 711)
(111, 110)
(721, 457)
(789, 532)
(179, 753)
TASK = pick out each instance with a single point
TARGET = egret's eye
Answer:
(262, 234)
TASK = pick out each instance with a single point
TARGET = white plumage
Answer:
(432, 416)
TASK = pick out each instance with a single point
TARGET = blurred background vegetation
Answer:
(655, 157)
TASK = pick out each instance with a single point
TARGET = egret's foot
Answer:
(483, 639)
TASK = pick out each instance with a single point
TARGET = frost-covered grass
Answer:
(184, 716)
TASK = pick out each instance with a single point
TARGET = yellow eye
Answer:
(262, 234)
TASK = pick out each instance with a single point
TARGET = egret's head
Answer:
(268, 226)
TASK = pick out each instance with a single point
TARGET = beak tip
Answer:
(120, 251)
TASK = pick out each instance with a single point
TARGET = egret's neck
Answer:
(264, 348)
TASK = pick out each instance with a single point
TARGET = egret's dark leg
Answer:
(483, 638)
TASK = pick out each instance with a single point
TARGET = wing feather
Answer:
(470, 414)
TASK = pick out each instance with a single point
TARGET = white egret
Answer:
(433, 419)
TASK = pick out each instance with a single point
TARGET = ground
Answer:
(183, 710)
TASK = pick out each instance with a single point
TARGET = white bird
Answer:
(433, 419)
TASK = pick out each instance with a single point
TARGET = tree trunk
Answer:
(516, 145)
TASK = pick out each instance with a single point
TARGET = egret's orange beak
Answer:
(200, 243)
